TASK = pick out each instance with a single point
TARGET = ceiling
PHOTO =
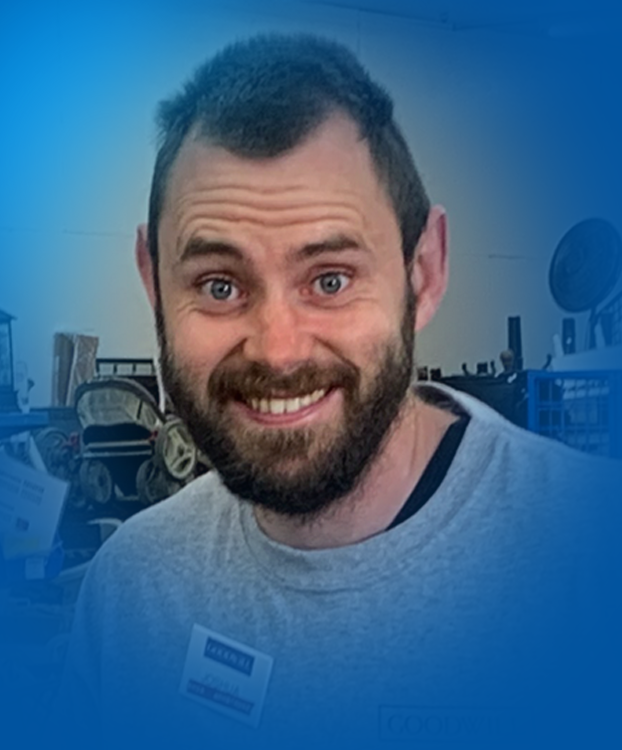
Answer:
(543, 16)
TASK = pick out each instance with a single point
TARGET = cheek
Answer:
(197, 348)
(367, 330)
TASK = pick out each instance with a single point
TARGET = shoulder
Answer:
(203, 501)
(522, 462)
(485, 421)
(171, 531)
(537, 498)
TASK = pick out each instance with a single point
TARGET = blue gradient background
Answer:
(517, 134)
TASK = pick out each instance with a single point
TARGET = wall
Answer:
(516, 135)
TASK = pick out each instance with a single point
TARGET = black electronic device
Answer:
(515, 342)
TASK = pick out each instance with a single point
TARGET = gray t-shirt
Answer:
(477, 620)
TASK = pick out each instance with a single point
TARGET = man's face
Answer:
(285, 315)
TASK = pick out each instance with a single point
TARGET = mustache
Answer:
(259, 380)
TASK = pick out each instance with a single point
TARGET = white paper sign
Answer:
(31, 503)
(226, 676)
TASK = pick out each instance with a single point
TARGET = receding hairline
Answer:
(197, 136)
(260, 98)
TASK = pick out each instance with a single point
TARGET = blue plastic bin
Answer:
(581, 409)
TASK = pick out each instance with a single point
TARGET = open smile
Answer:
(275, 405)
(281, 411)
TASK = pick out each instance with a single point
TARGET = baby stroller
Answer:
(128, 444)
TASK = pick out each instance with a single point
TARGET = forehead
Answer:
(327, 183)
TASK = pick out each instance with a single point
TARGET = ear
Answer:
(145, 263)
(430, 269)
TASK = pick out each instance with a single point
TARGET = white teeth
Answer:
(292, 405)
(285, 405)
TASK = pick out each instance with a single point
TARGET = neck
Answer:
(370, 508)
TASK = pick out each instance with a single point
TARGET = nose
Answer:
(278, 335)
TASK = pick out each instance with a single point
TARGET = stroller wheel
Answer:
(175, 452)
(96, 481)
(152, 484)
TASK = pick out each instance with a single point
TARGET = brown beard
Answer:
(294, 472)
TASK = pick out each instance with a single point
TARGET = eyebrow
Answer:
(337, 243)
(198, 247)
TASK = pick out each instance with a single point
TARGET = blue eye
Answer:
(331, 283)
(222, 290)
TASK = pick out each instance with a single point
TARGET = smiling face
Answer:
(285, 314)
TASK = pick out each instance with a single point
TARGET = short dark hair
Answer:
(261, 97)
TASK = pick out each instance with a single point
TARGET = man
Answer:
(369, 562)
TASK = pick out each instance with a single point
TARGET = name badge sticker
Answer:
(228, 677)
